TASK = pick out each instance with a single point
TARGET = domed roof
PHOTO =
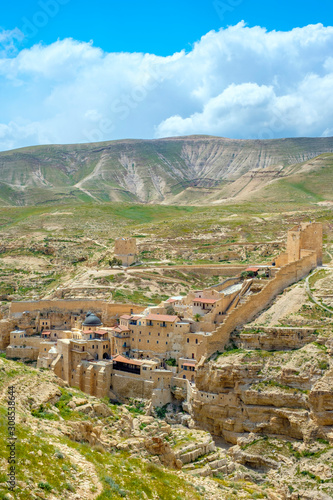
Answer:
(92, 320)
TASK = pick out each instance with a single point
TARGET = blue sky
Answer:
(159, 27)
(82, 71)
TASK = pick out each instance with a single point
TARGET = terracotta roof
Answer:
(205, 301)
(46, 333)
(101, 331)
(136, 317)
(162, 317)
(189, 364)
(121, 359)
(170, 301)
(125, 316)
(123, 328)
(120, 328)
(253, 269)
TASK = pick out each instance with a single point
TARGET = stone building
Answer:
(125, 249)
(302, 240)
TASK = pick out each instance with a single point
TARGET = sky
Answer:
(80, 71)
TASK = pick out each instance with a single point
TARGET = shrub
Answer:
(171, 362)
(45, 486)
(161, 411)
(114, 486)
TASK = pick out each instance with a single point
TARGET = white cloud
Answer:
(239, 82)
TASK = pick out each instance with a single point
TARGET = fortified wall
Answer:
(107, 310)
(296, 263)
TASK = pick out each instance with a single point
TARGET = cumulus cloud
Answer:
(238, 82)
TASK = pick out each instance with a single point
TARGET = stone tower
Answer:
(304, 238)
(125, 249)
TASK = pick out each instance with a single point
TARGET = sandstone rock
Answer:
(156, 446)
(102, 410)
(84, 431)
(79, 401)
(87, 409)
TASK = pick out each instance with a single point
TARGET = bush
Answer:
(161, 411)
(171, 362)
(45, 486)
(114, 486)
(115, 262)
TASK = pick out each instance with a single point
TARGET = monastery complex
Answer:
(124, 350)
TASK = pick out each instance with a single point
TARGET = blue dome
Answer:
(92, 320)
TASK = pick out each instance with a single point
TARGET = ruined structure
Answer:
(125, 249)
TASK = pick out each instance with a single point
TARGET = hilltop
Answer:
(181, 170)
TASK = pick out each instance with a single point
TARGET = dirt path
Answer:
(310, 294)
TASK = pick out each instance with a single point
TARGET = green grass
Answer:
(129, 477)
(38, 466)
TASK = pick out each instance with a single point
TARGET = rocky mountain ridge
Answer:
(148, 171)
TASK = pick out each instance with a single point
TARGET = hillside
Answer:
(185, 170)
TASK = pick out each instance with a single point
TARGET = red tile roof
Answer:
(121, 359)
(205, 301)
(253, 269)
(125, 316)
(189, 364)
(162, 317)
(121, 328)
(46, 333)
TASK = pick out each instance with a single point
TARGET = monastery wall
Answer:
(245, 312)
(131, 386)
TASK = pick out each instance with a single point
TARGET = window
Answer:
(166, 343)
(149, 333)
(192, 355)
(132, 340)
(139, 340)
(147, 341)
(156, 341)
(158, 334)
(188, 341)
(167, 335)
(196, 341)
(93, 347)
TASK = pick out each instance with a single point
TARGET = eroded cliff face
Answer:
(285, 394)
(174, 170)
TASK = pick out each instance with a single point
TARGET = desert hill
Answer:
(182, 170)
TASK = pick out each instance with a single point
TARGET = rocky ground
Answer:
(74, 446)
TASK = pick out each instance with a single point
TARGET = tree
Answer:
(197, 317)
(115, 262)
